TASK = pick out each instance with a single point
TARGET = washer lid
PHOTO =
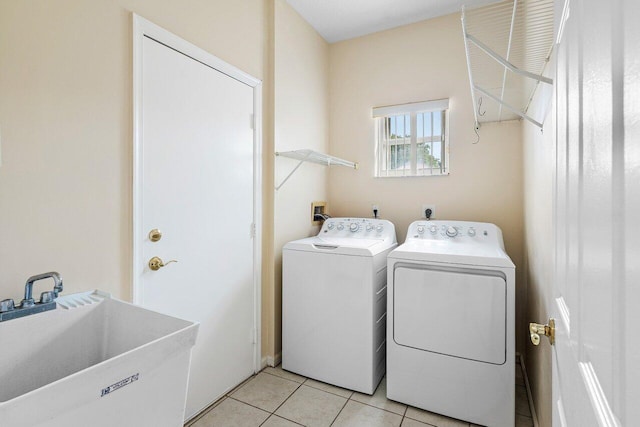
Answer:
(340, 245)
(452, 252)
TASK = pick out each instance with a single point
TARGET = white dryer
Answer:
(334, 290)
(450, 327)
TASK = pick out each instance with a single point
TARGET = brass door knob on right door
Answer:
(549, 330)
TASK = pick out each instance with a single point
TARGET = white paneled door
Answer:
(596, 301)
(195, 184)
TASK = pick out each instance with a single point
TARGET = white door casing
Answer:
(197, 178)
(596, 359)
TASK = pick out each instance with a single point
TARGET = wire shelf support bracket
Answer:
(313, 157)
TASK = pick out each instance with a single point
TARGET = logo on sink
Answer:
(119, 384)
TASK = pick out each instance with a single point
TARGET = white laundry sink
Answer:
(94, 361)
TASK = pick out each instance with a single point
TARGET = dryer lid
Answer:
(452, 252)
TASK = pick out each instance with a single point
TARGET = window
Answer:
(412, 139)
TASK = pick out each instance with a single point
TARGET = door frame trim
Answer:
(144, 28)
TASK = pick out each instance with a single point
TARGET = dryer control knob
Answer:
(354, 227)
(433, 229)
(451, 231)
(369, 227)
(340, 227)
(471, 232)
(379, 228)
(420, 229)
(330, 226)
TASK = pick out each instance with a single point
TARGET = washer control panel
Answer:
(453, 230)
(364, 228)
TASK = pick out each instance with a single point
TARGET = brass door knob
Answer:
(156, 263)
(536, 329)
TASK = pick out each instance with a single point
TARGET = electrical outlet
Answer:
(375, 211)
(424, 208)
(318, 209)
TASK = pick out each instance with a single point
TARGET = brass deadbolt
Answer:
(155, 235)
(549, 330)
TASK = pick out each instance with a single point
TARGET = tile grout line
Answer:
(248, 404)
(404, 415)
(278, 407)
(386, 410)
(339, 412)
(330, 392)
(281, 377)
(284, 418)
(215, 404)
(288, 397)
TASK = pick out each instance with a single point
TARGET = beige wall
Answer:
(539, 169)
(301, 121)
(538, 174)
(66, 118)
(420, 62)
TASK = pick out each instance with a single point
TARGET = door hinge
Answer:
(252, 230)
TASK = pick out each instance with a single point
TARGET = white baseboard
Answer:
(520, 360)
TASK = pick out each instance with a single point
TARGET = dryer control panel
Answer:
(455, 230)
(358, 228)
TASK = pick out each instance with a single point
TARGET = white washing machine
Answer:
(334, 301)
(450, 327)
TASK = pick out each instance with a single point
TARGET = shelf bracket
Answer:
(313, 157)
(507, 106)
(486, 49)
(304, 159)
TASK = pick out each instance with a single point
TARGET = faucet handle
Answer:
(6, 305)
(47, 296)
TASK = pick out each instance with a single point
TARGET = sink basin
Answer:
(94, 361)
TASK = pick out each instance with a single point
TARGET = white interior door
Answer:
(195, 182)
(596, 293)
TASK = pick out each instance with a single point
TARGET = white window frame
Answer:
(382, 152)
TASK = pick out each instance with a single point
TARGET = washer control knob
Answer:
(379, 228)
(330, 226)
(471, 232)
(420, 229)
(340, 227)
(451, 231)
(369, 227)
(354, 227)
(433, 229)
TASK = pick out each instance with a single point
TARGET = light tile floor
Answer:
(277, 398)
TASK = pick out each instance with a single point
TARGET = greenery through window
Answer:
(412, 143)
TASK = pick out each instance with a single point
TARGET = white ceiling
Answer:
(338, 20)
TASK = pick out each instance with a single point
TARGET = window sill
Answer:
(414, 176)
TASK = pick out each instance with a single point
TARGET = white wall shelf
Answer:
(313, 157)
(508, 46)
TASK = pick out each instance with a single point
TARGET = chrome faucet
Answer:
(28, 305)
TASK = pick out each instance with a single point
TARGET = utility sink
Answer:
(94, 361)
